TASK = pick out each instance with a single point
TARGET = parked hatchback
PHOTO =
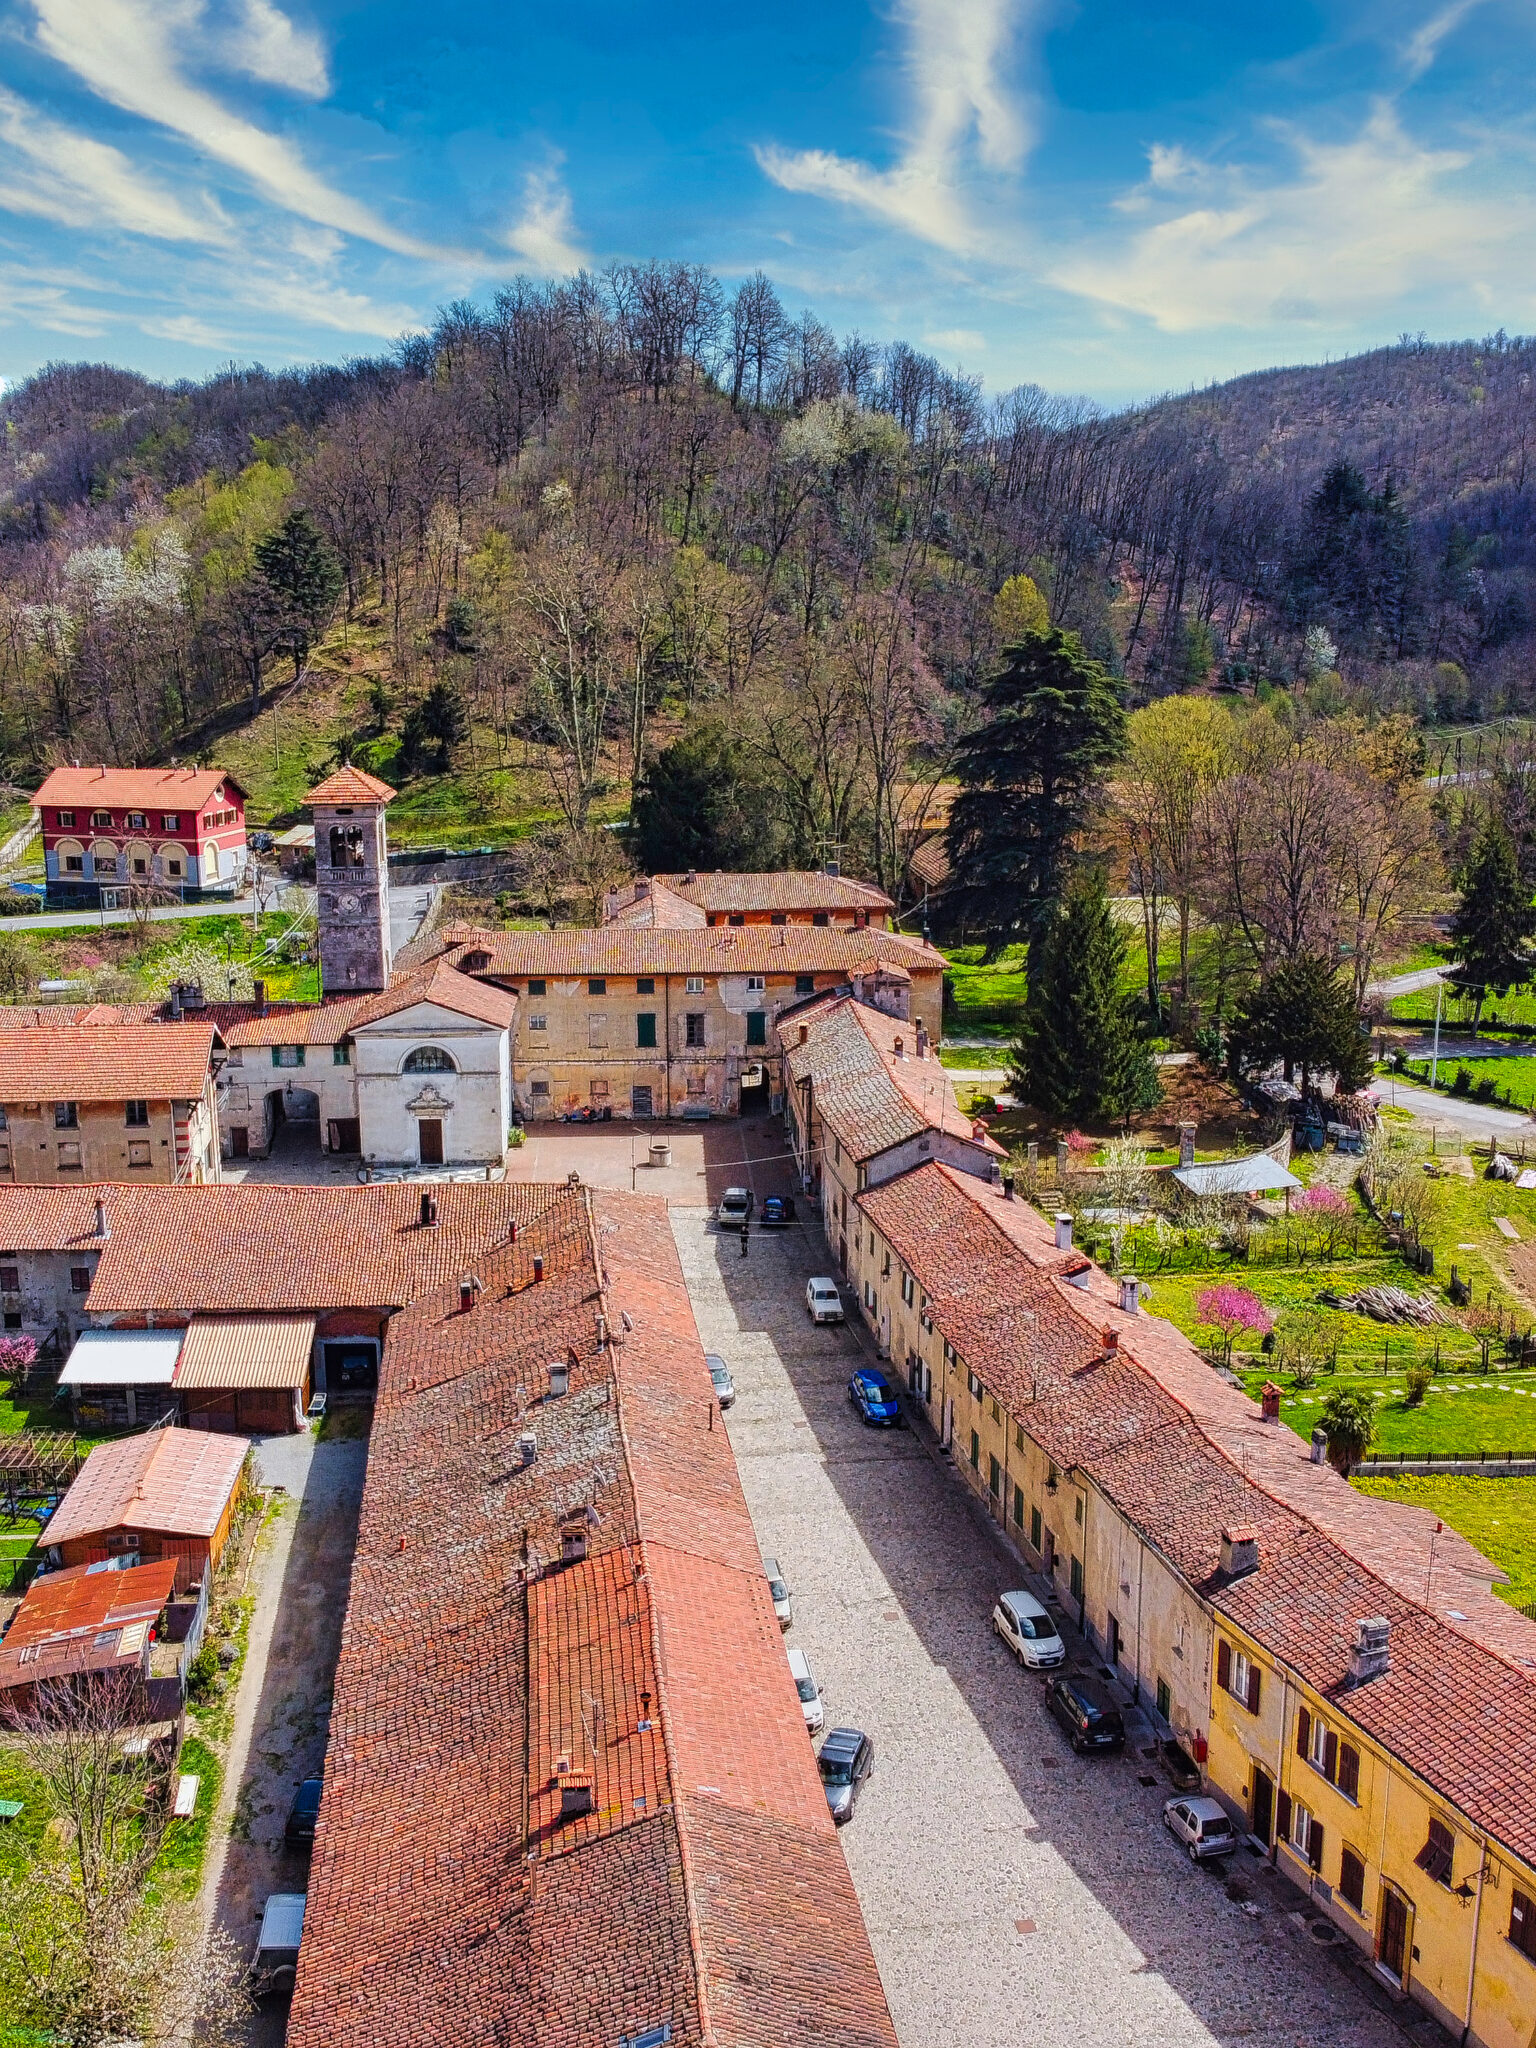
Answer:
(846, 1760)
(736, 1206)
(1029, 1631)
(1090, 1717)
(823, 1300)
(1204, 1827)
(720, 1378)
(806, 1686)
(778, 1212)
(874, 1397)
(783, 1606)
(299, 1833)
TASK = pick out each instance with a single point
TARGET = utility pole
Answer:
(1434, 1064)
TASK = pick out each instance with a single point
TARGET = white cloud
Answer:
(1360, 226)
(124, 50)
(1423, 46)
(964, 116)
(544, 234)
(58, 174)
(957, 339)
(265, 44)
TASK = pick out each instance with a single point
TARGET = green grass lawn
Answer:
(1514, 1080)
(1498, 1515)
(1461, 1412)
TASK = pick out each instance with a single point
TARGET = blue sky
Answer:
(1114, 197)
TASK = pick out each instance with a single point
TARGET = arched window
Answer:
(428, 1059)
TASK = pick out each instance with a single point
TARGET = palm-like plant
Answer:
(1348, 1422)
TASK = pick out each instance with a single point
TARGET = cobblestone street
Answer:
(1013, 1891)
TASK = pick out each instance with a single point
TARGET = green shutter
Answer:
(645, 1028)
(757, 1027)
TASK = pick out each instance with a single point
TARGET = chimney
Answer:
(528, 1446)
(642, 889)
(512, 1231)
(1111, 1340)
(899, 1048)
(833, 868)
(805, 1032)
(1186, 1144)
(469, 1287)
(261, 998)
(176, 1002)
(1371, 1656)
(922, 1043)
(1063, 1230)
(1130, 1295)
(103, 1227)
(1007, 1187)
(602, 1332)
(1239, 1550)
(1269, 1401)
(428, 1210)
(538, 1266)
(559, 1378)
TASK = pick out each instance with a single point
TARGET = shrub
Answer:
(1420, 1373)
(517, 1136)
(1461, 1081)
(203, 1672)
(17, 1356)
(1348, 1422)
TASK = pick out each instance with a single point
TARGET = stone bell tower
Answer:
(352, 880)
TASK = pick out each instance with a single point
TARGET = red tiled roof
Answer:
(350, 785)
(722, 949)
(133, 789)
(105, 1062)
(475, 1663)
(54, 1219)
(233, 1246)
(870, 1097)
(445, 986)
(172, 1482)
(792, 889)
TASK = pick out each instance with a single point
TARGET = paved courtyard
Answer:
(1013, 1891)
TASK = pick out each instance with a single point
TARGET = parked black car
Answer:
(302, 1815)
(846, 1760)
(778, 1212)
(1090, 1717)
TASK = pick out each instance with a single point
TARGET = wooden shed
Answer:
(168, 1493)
(246, 1372)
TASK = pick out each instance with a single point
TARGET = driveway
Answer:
(300, 1581)
(1013, 1892)
(1455, 1112)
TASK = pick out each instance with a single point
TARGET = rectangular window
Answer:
(173, 867)
(69, 1156)
(645, 1028)
(599, 1091)
(79, 1279)
(287, 1055)
(136, 1113)
(693, 1027)
(341, 1053)
(975, 1452)
(820, 917)
(1352, 1879)
(170, 821)
(994, 1479)
(737, 917)
(539, 1091)
(597, 985)
(66, 1116)
(1018, 1508)
(73, 864)
(805, 984)
(1164, 1699)
(136, 820)
(1077, 1578)
(755, 984)
(996, 1414)
(1077, 1511)
(538, 1023)
(973, 1385)
(66, 817)
(10, 1279)
(1522, 1924)
(757, 1027)
(138, 1152)
(537, 988)
(1438, 1853)
(1306, 1834)
(908, 1288)
(869, 1294)
(1034, 1528)
(1018, 1436)
(777, 917)
(1234, 1674)
(101, 818)
(695, 985)
(645, 985)
(597, 1028)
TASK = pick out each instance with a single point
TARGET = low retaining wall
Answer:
(1485, 1465)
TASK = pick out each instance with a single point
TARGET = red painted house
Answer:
(105, 829)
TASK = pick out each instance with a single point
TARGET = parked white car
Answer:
(806, 1686)
(1029, 1631)
(1202, 1825)
(823, 1300)
(783, 1605)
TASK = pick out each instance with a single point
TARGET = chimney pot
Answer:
(899, 1047)
(428, 1209)
(922, 1043)
(602, 1332)
(512, 1231)
(261, 998)
(1269, 1401)
(805, 1032)
(469, 1287)
(1239, 1550)
(1130, 1296)
(538, 1267)
(1063, 1230)
(1371, 1656)
(1007, 1187)
(1111, 1340)
(103, 1228)
(528, 1446)
(559, 1377)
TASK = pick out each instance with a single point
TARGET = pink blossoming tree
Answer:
(1227, 1312)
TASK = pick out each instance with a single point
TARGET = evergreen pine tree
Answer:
(1306, 1017)
(1494, 921)
(1055, 726)
(299, 567)
(1080, 1054)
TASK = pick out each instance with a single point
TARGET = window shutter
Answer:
(1315, 1845)
(1224, 1666)
(1349, 1771)
(1253, 1688)
(1303, 1731)
(1283, 1817)
(1331, 1758)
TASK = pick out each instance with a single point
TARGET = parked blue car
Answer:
(874, 1397)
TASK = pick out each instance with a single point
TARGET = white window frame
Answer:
(695, 985)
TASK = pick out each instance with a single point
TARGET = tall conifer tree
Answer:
(1080, 1054)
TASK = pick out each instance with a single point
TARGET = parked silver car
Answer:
(1202, 1825)
(783, 1606)
(720, 1378)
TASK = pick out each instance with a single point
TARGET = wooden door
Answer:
(1392, 1950)
(431, 1129)
(1263, 1806)
(240, 1142)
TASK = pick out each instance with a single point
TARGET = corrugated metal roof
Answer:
(1260, 1175)
(123, 1358)
(247, 1351)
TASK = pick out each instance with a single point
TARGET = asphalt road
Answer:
(1454, 1112)
(1013, 1892)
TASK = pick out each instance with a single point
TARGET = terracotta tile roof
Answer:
(350, 785)
(173, 1482)
(77, 1621)
(445, 986)
(241, 1246)
(659, 909)
(1181, 1454)
(53, 1219)
(745, 949)
(322, 1023)
(792, 889)
(132, 789)
(474, 1661)
(105, 1063)
(246, 1351)
(867, 1095)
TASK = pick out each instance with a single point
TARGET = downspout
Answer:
(666, 997)
(1285, 1722)
(1141, 1572)
(1477, 1916)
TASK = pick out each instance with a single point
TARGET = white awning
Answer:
(1260, 1175)
(123, 1358)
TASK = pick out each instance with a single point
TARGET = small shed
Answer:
(122, 1379)
(246, 1372)
(90, 1624)
(1237, 1179)
(169, 1493)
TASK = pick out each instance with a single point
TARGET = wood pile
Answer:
(1391, 1305)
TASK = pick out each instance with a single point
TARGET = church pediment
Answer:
(429, 1101)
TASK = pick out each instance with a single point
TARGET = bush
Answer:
(203, 1673)
(1486, 1089)
(1461, 1082)
(1419, 1376)
(517, 1136)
